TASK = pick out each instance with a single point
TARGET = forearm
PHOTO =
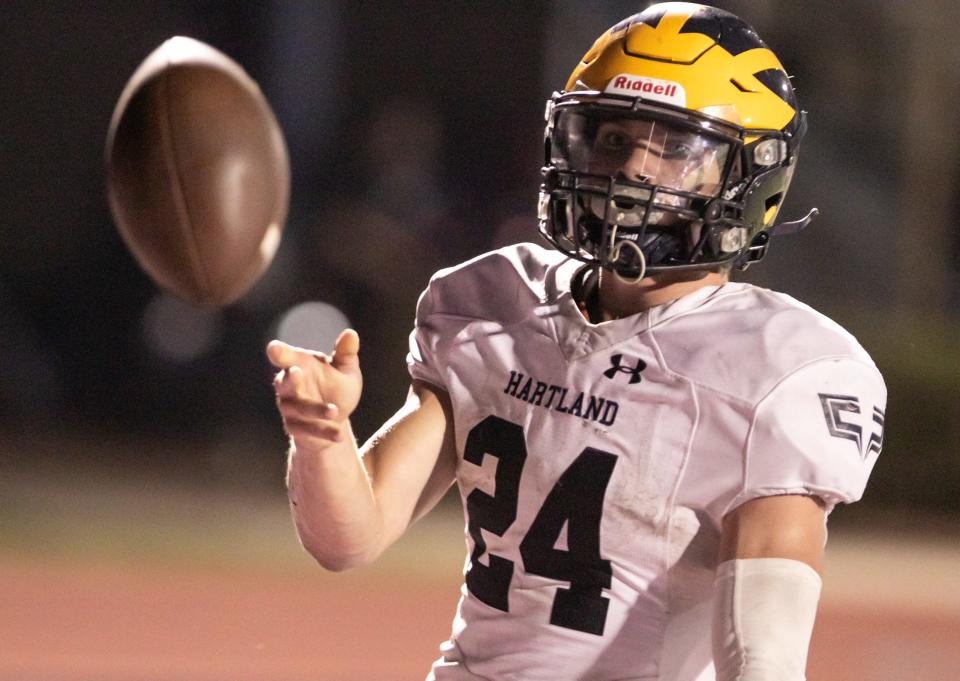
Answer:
(349, 506)
(332, 503)
(763, 617)
(767, 588)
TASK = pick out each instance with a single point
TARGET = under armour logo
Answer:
(617, 367)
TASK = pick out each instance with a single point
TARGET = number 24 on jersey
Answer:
(576, 499)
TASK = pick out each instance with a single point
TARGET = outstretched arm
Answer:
(349, 504)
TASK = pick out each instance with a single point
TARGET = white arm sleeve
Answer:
(763, 615)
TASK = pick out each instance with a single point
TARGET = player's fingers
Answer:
(295, 376)
(281, 384)
(290, 384)
(280, 354)
(331, 411)
(283, 355)
(290, 405)
(346, 349)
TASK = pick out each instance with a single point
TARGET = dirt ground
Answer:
(174, 589)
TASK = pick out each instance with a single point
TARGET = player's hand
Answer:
(316, 393)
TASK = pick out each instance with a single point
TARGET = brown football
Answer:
(198, 176)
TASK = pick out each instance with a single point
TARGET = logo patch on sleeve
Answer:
(842, 413)
(666, 91)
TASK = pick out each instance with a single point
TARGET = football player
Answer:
(646, 452)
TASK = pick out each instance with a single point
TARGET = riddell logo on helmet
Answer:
(665, 91)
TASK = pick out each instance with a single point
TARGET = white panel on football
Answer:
(180, 332)
(314, 325)
(271, 241)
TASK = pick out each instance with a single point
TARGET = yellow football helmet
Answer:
(672, 145)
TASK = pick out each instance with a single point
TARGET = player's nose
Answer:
(639, 167)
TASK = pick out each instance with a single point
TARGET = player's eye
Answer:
(676, 151)
(613, 140)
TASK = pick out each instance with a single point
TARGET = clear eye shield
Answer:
(656, 151)
(636, 169)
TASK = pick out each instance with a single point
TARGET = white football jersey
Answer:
(598, 460)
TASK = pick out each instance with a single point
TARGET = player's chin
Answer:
(668, 277)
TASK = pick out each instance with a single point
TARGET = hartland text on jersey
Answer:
(563, 400)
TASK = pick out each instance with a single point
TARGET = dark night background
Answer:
(415, 138)
(144, 528)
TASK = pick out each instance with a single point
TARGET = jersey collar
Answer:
(578, 337)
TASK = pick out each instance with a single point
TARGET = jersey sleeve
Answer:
(500, 287)
(819, 431)
(424, 358)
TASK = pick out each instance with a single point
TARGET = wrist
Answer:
(329, 436)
